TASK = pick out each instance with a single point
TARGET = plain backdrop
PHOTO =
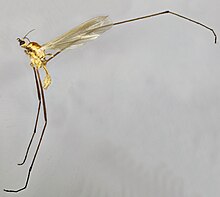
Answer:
(135, 113)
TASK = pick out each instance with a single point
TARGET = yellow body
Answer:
(38, 59)
(77, 36)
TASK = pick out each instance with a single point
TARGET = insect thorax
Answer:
(38, 60)
(37, 56)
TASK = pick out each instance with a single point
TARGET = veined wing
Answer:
(81, 34)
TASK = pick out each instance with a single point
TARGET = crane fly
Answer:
(77, 36)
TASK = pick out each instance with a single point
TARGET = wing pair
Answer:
(81, 34)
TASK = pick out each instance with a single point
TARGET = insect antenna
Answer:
(25, 36)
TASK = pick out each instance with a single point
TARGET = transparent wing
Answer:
(81, 34)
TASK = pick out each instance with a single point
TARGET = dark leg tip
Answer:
(7, 190)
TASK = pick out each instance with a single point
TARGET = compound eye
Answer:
(21, 42)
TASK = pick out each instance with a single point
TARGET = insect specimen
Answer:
(77, 36)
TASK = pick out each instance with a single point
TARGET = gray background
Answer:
(134, 113)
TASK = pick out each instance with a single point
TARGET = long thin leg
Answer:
(36, 121)
(167, 12)
(149, 16)
(41, 137)
(53, 56)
